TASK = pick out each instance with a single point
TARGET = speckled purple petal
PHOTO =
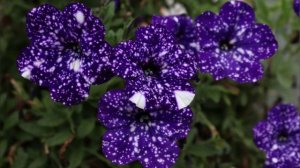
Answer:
(297, 7)
(288, 157)
(79, 18)
(69, 89)
(263, 135)
(49, 41)
(286, 117)
(115, 111)
(237, 14)
(35, 64)
(245, 72)
(209, 63)
(123, 64)
(96, 63)
(43, 19)
(156, 36)
(257, 42)
(210, 29)
(172, 124)
(118, 145)
(182, 27)
(161, 153)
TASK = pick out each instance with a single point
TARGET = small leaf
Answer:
(38, 162)
(58, 138)
(51, 120)
(86, 127)
(3, 147)
(34, 129)
(76, 157)
(11, 121)
(20, 159)
(211, 147)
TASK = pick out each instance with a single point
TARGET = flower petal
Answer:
(95, 63)
(155, 156)
(286, 158)
(69, 89)
(237, 14)
(35, 64)
(263, 134)
(118, 146)
(257, 42)
(79, 18)
(210, 30)
(115, 110)
(297, 7)
(43, 19)
(284, 117)
(122, 63)
(172, 124)
(181, 26)
(246, 72)
(210, 62)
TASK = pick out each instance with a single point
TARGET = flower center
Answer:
(225, 45)
(151, 69)
(143, 117)
(74, 47)
(282, 137)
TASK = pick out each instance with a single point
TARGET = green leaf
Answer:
(38, 162)
(51, 120)
(86, 127)
(11, 121)
(34, 129)
(3, 147)
(20, 159)
(76, 157)
(216, 146)
(59, 138)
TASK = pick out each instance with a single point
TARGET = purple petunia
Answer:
(297, 7)
(232, 44)
(67, 53)
(134, 134)
(156, 68)
(183, 28)
(279, 137)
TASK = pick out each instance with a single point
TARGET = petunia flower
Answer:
(134, 134)
(67, 53)
(297, 7)
(183, 28)
(279, 137)
(232, 44)
(156, 68)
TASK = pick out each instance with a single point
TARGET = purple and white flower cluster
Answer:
(279, 137)
(68, 54)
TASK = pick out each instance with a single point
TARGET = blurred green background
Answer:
(35, 132)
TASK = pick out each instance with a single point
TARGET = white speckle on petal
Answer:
(79, 17)
(139, 100)
(26, 73)
(38, 63)
(75, 65)
(274, 160)
(183, 98)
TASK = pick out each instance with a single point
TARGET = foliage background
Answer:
(35, 132)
